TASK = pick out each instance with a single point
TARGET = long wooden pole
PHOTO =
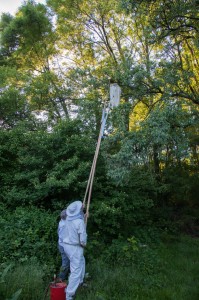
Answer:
(115, 92)
(92, 172)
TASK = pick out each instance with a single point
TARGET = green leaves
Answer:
(44, 164)
(28, 31)
(30, 232)
(55, 79)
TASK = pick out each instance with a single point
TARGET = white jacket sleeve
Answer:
(82, 233)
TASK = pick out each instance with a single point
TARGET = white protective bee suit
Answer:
(75, 238)
(65, 260)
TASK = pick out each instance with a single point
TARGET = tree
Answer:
(28, 53)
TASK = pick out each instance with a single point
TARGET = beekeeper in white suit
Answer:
(75, 238)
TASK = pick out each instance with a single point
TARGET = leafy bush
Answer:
(28, 232)
(41, 168)
(121, 251)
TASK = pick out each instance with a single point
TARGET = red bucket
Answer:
(57, 291)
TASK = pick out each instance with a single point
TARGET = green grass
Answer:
(168, 271)
(174, 276)
(181, 272)
(27, 278)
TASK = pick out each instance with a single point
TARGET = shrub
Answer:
(28, 232)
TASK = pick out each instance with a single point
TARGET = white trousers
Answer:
(77, 268)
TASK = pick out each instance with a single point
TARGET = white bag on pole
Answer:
(115, 93)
